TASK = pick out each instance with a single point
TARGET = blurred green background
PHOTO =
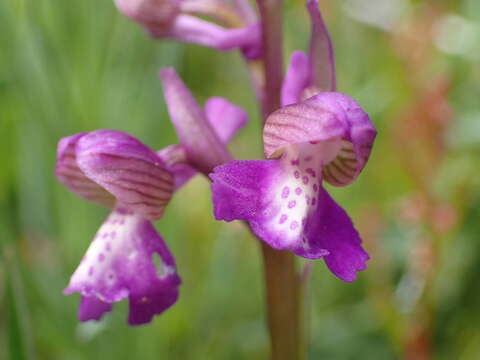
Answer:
(67, 67)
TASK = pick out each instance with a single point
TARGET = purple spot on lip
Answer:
(298, 191)
(315, 187)
(294, 225)
(311, 172)
(308, 158)
(101, 257)
(305, 180)
(295, 162)
(285, 192)
(292, 204)
(107, 247)
(296, 174)
(283, 218)
(90, 271)
(314, 201)
(104, 236)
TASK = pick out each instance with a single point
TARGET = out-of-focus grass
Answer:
(67, 68)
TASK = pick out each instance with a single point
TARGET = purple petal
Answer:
(246, 11)
(287, 207)
(119, 264)
(322, 60)
(174, 157)
(182, 173)
(149, 13)
(203, 147)
(356, 145)
(220, 11)
(297, 78)
(142, 308)
(191, 29)
(92, 308)
(323, 119)
(126, 168)
(327, 117)
(239, 188)
(70, 175)
(331, 229)
(225, 118)
(270, 195)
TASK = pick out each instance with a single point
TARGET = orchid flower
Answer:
(116, 170)
(326, 137)
(178, 19)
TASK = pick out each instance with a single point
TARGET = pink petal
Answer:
(288, 213)
(297, 78)
(356, 145)
(127, 169)
(190, 29)
(324, 118)
(225, 118)
(149, 13)
(203, 147)
(70, 175)
(309, 121)
(92, 308)
(270, 196)
(246, 11)
(119, 264)
(174, 157)
(332, 229)
(322, 60)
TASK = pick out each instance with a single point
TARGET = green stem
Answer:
(283, 306)
(271, 16)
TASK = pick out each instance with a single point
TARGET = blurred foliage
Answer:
(71, 67)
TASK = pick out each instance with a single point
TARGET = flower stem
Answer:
(271, 16)
(283, 307)
(281, 280)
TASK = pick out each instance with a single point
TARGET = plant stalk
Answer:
(282, 283)
(283, 306)
(271, 17)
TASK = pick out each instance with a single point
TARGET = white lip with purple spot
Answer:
(296, 194)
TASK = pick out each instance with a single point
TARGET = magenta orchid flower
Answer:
(116, 170)
(179, 20)
(327, 137)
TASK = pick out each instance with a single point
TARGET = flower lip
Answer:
(120, 264)
(288, 208)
